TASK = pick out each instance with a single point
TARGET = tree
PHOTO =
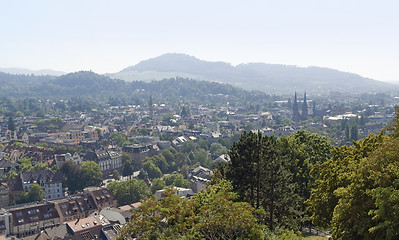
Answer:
(26, 165)
(212, 214)
(130, 191)
(35, 194)
(11, 124)
(260, 177)
(217, 149)
(91, 174)
(177, 180)
(127, 165)
(303, 151)
(201, 157)
(72, 176)
(347, 191)
(157, 184)
(116, 175)
(354, 132)
(152, 170)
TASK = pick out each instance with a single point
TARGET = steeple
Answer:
(296, 116)
(304, 108)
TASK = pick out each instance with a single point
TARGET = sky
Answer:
(358, 36)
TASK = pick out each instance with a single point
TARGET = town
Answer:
(82, 173)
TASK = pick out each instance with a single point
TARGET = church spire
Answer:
(296, 116)
(304, 108)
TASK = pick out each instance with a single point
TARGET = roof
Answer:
(84, 224)
(57, 231)
(4, 163)
(102, 195)
(87, 224)
(41, 175)
(113, 215)
(33, 213)
(77, 205)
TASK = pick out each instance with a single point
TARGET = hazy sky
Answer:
(358, 36)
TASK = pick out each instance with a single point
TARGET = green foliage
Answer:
(357, 189)
(120, 139)
(152, 170)
(177, 180)
(217, 149)
(26, 165)
(304, 151)
(116, 175)
(78, 177)
(201, 157)
(35, 194)
(212, 214)
(127, 165)
(130, 191)
(11, 124)
(260, 176)
(157, 184)
(91, 174)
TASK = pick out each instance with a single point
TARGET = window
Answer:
(63, 206)
(20, 220)
(34, 218)
(18, 214)
(33, 211)
(48, 215)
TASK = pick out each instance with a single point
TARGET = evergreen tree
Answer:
(11, 124)
(260, 176)
(354, 132)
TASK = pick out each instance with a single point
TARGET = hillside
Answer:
(270, 78)
(90, 84)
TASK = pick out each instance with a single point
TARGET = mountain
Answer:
(270, 78)
(25, 71)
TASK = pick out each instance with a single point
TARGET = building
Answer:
(48, 217)
(107, 160)
(49, 181)
(28, 220)
(182, 192)
(198, 178)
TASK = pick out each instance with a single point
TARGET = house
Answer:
(140, 151)
(6, 166)
(47, 217)
(198, 178)
(75, 207)
(107, 160)
(49, 181)
(182, 192)
(87, 228)
(28, 220)
(222, 159)
(102, 197)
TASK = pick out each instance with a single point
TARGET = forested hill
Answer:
(270, 78)
(90, 84)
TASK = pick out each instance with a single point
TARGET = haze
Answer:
(107, 36)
